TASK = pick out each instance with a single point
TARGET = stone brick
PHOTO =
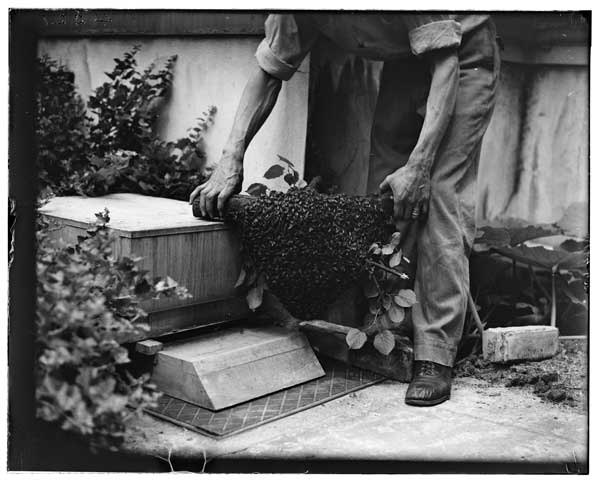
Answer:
(520, 343)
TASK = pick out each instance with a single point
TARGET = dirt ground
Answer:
(562, 379)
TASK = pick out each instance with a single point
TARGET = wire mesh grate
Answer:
(339, 380)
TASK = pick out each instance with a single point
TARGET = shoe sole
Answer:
(426, 403)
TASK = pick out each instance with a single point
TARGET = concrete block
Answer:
(520, 343)
(148, 347)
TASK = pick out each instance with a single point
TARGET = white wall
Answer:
(535, 153)
(209, 71)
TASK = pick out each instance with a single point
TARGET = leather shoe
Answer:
(430, 384)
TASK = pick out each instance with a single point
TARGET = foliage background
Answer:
(114, 148)
(88, 300)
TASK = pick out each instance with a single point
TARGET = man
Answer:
(435, 101)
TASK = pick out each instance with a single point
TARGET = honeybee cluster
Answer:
(309, 246)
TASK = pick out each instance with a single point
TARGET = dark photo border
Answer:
(34, 445)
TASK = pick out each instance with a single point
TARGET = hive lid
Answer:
(235, 346)
(131, 215)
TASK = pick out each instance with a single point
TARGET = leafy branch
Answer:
(113, 146)
(286, 171)
(388, 297)
(88, 305)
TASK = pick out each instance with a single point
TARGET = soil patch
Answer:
(561, 379)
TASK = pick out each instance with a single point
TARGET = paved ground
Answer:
(481, 423)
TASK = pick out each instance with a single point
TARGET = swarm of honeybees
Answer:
(309, 246)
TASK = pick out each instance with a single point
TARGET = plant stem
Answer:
(553, 312)
(385, 268)
(538, 283)
(474, 313)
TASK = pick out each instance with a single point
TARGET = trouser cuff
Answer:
(435, 352)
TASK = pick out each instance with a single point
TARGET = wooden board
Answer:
(201, 255)
(330, 339)
(131, 215)
(224, 368)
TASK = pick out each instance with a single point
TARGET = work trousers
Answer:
(445, 237)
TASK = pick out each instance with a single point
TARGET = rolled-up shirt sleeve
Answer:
(432, 32)
(288, 38)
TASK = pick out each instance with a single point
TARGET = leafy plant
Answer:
(163, 169)
(87, 307)
(125, 109)
(286, 171)
(386, 288)
(530, 274)
(115, 149)
(60, 125)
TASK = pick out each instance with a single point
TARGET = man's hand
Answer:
(411, 187)
(411, 184)
(257, 102)
(223, 182)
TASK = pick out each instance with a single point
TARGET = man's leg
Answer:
(394, 133)
(446, 236)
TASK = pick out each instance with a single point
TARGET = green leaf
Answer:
(241, 278)
(405, 298)
(274, 172)
(165, 284)
(254, 297)
(396, 314)
(493, 237)
(355, 339)
(396, 259)
(545, 258)
(384, 342)
(520, 235)
(283, 159)
(291, 178)
(256, 189)
(375, 249)
(579, 298)
(387, 249)
(396, 238)
(572, 245)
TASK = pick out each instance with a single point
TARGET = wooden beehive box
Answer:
(201, 255)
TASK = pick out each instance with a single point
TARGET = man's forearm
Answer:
(257, 102)
(440, 107)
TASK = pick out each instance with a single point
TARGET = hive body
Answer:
(201, 255)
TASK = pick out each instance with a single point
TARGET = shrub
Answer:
(524, 274)
(60, 125)
(125, 109)
(163, 169)
(87, 307)
(115, 148)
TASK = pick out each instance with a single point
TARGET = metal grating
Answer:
(339, 380)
